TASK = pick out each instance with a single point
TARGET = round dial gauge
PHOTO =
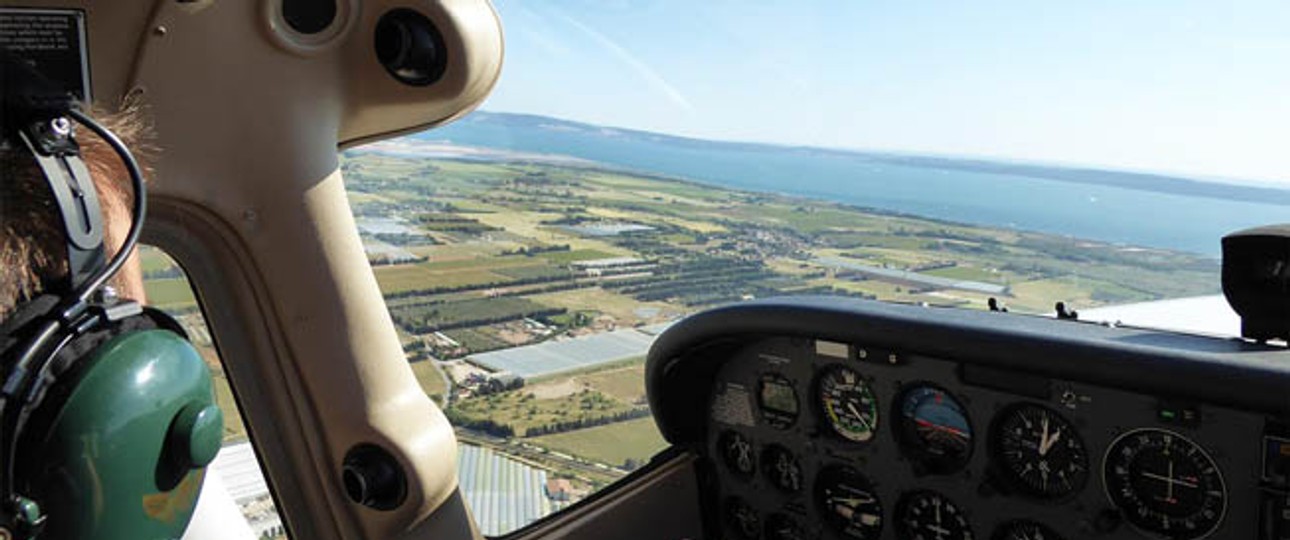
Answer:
(781, 468)
(737, 453)
(933, 428)
(849, 404)
(777, 400)
(1024, 529)
(1164, 484)
(742, 519)
(781, 527)
(1039, 452)
(927, 515)
(848, 502)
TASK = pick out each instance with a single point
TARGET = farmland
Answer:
(509, 254)
(628, 444)
(532, 252)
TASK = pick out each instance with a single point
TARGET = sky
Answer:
(1200, 87)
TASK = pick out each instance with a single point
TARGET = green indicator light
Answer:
(1168, 415)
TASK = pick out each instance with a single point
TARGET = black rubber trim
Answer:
(658, 460)
(1227, 372)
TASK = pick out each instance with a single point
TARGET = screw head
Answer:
(61, 126)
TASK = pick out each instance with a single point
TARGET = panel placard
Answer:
(53, 40)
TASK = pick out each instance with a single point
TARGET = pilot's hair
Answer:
(33, 249)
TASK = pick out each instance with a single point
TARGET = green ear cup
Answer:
(122, 458)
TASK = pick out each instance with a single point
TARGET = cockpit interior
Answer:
(804, 416)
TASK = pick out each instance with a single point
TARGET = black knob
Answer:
(373, 478)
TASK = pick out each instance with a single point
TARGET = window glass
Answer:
(1015, 159)
(235, 477)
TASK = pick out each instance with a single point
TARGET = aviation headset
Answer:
(107, 413)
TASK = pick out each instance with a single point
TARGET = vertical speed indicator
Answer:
(848, 403)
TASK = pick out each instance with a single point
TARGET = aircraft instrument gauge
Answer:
(742, 519)
(848, 502)
(782, 468)
(781, 527)
(933, 428)
(777, 400)
(1024, 529)
(848, 403)
(737, 453)
(1164, 484)
(1038, 452)
(927, 515)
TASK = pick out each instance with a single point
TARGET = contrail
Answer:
(641, 68)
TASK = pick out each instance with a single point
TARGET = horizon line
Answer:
(1277, 184)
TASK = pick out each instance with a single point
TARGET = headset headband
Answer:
(36, 114)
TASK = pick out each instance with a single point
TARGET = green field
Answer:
(611, 444)
(170, 294)
(234, 429)
(566, 257)
(406, 277)
(152, 260)
(476, 339)
(521, 410)
(626, 384)
(970, 273)
(428, 376)
(540, 271)
(619, 306)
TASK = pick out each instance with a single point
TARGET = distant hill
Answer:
(622, 147)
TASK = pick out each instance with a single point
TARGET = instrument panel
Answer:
(856, 438)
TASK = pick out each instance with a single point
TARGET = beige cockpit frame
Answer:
(248, 197)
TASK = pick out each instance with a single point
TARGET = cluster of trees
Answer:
(572, 218)
(453, 223)
(426, 319)
(650, 247)
(585, 422)
(698, 282)
(495, 385)
(405, 239)
(391, 261)
(484, 425)
(534, 250)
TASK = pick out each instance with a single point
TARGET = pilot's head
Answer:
(115, 421)
(32, 255)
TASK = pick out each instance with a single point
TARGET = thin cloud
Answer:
(544, 39)
(641, 68)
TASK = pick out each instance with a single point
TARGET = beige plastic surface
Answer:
(249, 198)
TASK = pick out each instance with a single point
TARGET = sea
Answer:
(1111, 214)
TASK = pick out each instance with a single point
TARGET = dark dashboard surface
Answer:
(836, 418)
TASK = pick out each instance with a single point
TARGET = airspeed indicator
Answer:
(848, 404)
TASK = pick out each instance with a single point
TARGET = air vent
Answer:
(309, 17)
(373, 478)
(410, 47)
